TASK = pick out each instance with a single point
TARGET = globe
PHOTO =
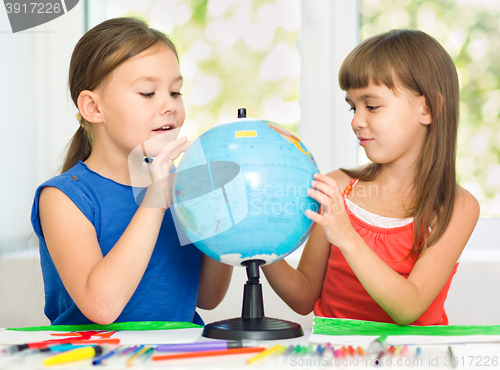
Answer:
(240, 192)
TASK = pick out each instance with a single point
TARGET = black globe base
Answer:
(264, 329)
(253, 324)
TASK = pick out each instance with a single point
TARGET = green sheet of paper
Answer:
(329, 326)
(137, 325)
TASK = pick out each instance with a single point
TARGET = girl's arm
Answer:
(101, 286)
(215, 277)
(300, 288)
(403, 299)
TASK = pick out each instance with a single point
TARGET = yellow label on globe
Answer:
(249, 133)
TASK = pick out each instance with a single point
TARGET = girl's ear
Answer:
(425, 111)
(88, 105)
(426, 116)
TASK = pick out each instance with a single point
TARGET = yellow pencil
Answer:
(263, 354)
(77, 354)
(130, 361)
(280, 350)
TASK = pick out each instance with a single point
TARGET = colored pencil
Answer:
(378, 360)
(221, 352)
(289, 350)
(100, 359)
(452, 359)
(77, 354)
(320, 349)
(136, 354)
(198, 346)
(310, 350)
(391, 350)
(38, 345)
(281, 350)
(418, 353)
(377, 345)
(405, 350)
(263, 354)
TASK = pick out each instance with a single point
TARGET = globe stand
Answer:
(253, 324)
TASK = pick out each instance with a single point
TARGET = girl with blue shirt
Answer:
(105, 258)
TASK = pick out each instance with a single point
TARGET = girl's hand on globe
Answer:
(333, 218)
(159, 193)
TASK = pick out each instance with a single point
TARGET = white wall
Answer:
(37, 118)
(329, 31)
(471, 299)
(21, 291)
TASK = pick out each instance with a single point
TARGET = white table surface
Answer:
(469, 356)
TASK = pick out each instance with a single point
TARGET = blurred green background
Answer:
(245, 54)
(470, 31)
(231, 55)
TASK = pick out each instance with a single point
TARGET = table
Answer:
(434, 356)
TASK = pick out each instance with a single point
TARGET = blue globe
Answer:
(240, 192)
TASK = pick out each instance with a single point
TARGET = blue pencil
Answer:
(418, 352)
(319, 350)
(289, 350)
(121, 354)
(99, 360)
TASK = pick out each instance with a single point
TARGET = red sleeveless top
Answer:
(343, 296)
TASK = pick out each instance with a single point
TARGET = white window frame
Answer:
(329, 31)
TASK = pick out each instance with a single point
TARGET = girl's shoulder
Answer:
(466, 202)
(74, 185)
(340, 177)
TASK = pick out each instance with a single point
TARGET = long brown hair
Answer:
(100, 51)
(421, 65)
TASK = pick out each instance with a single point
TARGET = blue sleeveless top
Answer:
(168, 290)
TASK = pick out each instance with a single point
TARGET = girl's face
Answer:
(142, 102)
(390, 127)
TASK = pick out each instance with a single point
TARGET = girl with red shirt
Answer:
(391, 232)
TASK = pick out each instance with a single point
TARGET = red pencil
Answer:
(39, 345)
(391, 350)
(96, 341)
(73, 341)
(220, 352)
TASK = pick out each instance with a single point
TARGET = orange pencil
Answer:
(351, 350)
(345, 352)
(361, 352)
(220, 352)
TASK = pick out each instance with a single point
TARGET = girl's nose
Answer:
(358, 122)
(169, 105)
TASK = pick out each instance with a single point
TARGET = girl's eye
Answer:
(147, 95)
(353, 110)
(371, 107)
(175, 94)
